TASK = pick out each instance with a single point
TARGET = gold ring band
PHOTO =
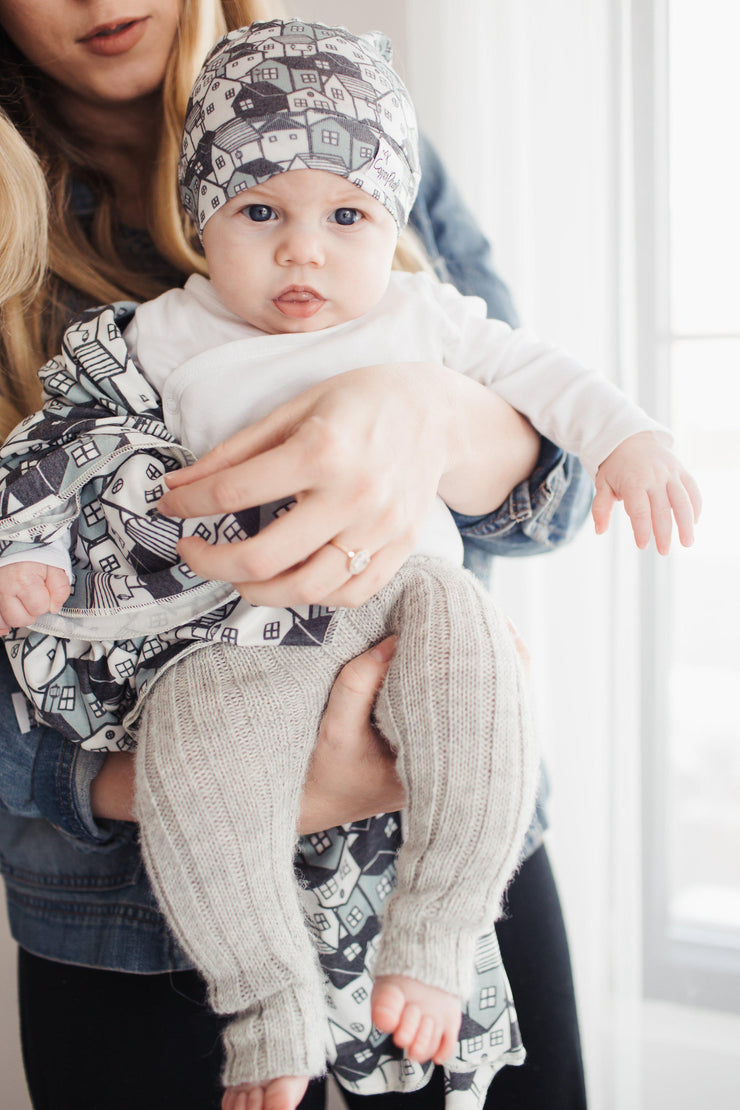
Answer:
(357, 561)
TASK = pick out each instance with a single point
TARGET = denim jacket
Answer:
(76, 886)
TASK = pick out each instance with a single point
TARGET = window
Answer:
(319, 842)
(692, 890)
(331, 138)
(86, 452)
(66, 699)
(487, 998)
(234, 531)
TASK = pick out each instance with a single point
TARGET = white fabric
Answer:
(197, 355)
(216, 374)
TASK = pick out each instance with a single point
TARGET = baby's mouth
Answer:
(300, 301)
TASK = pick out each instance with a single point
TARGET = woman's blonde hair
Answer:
(24, 223)
(88, 259)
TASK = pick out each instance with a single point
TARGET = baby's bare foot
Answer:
(278, 1094)
(424, 1020)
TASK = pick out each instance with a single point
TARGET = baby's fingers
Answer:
(601, 510)
(684, 509)
(14, 614)
(637, 507)
(662, 520)
(58, 587)
(694, 494)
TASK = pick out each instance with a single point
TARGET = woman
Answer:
(101, 100)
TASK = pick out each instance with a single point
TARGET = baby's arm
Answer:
(654, 486)
(28, 589)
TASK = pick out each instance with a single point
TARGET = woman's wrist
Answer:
(490, 448)
(112, 789)
(353, 771)
(377, 792)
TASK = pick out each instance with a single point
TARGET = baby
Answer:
(299, 167)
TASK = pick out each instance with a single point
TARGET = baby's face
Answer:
(301, 252)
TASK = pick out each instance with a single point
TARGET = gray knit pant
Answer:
(224, 742)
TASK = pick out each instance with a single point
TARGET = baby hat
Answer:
(287, 94)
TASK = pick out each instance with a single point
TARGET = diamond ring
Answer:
(357, 561)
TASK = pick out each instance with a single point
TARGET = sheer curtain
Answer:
(527, 101)
(545, 114)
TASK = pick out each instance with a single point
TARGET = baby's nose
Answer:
(301, 247)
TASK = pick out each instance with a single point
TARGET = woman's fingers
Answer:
(358, 588)
(324, 578)
(355, 689)
(267, 477)
(243, 445)
(362, 456)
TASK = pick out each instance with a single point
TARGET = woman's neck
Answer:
(121, 140)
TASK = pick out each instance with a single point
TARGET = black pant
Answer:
(108, 1040)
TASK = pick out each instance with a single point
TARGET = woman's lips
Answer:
(299, 301)
(116, 37)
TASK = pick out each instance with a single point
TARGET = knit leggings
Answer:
(224, 742)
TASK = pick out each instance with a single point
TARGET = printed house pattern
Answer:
(298, 96)
(90, 468)
(347, 875)
(92, 464)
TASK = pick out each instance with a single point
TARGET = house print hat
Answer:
(286, 94)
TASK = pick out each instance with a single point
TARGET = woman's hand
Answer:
(112, 789)
(352, 773)
(364, 453)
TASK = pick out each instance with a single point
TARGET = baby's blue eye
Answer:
(260, 213)
(347, 216)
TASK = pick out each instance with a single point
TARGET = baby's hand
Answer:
(29, 589)
(654, 487)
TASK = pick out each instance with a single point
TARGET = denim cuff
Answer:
(62, 776)
(539, 514)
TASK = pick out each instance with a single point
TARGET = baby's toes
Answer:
(426, 1041)
(386, 1006)
(408, 1025)
(448, 1043)
(242, 1098)
(284, 1093)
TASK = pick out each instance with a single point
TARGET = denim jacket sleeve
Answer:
(548, 509)
(43, 775)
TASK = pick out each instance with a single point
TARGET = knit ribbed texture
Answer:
(224, 743)
(455, 708)
(225, 738)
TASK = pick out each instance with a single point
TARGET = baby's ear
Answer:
(382, 45)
